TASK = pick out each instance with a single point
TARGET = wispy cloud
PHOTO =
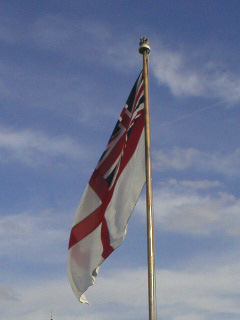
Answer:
(178, 69)
(197, 185)
(60, 84)
(185, 76)
(196, 208)
(180, 295)
(190, 294)
(182, 159)
(69, 36)
(7, 293)
(44, 231)
(72, 38)
(36, 148)
(34, 86)
(181, 292)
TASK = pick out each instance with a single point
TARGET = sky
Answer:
(66, 70)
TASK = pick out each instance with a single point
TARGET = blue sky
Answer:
(66, 71)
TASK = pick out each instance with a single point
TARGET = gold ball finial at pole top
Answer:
(144, 46)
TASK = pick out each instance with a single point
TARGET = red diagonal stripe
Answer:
(86, 226)
(107, 248)
(99, 185)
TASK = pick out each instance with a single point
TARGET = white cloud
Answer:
(181, 207)
(182, 159)
(45, 232)
(177, 69)
(185, 76)
(180, 70)
(202, 294)
(36, 148)
(199, 291)
(7, 293)
(180, 295)
(70, 36)
(30, 86)
(197, 185)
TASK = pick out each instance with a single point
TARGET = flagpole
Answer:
(144, 49)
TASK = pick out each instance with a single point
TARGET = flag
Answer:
(113, 190)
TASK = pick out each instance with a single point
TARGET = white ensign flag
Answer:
(101, 220)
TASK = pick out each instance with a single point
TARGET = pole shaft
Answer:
(150, 241)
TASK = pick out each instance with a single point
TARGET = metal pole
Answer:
(144, 49)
